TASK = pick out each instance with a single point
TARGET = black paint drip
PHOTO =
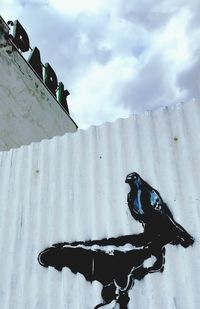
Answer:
(117, 267)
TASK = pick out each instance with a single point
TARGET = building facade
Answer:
(28, 110)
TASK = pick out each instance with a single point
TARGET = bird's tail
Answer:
(186, 241)
(183, 237)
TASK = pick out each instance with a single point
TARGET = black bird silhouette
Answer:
(110, 261)
(146, 205)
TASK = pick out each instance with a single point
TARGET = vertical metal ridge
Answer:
(111, 204)
(99, 180)
(120, 151)
(15, 217)
(190, 122)
(22, 235)
(6, 220)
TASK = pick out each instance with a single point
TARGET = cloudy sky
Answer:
(116, 57)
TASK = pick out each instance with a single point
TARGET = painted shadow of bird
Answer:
(110, 261)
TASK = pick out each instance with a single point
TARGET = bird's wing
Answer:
(155, 200)
(157, 203)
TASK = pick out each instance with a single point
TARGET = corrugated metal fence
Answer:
(73, 188)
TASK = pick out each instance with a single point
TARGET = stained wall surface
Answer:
(73, 188)
(28, 111)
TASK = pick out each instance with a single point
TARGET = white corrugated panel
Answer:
(73, 188)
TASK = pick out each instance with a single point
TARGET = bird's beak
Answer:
(41, 259)
(128, 179)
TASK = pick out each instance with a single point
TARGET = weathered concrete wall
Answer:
(28, 111)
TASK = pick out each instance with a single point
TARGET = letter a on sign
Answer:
(35, 61)
(50, 78)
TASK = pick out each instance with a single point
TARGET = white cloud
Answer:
(76, 6)
(100, 89)
(172, 40)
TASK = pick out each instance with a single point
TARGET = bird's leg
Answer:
(100, 305)
(123, 300)
(108, 294)
(160, 260)
(141, 271)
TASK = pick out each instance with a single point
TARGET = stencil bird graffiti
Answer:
(147, 206)
(109, 261)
